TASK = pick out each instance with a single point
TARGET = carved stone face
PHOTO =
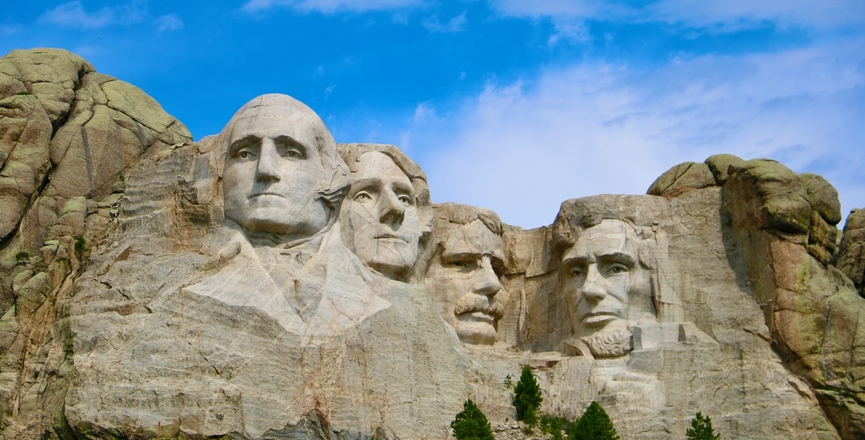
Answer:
(464, 283)
(271, 177)
(605, 284)
(380, 216)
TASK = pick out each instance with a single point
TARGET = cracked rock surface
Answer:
(68, 136)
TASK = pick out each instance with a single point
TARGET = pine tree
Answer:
(701, 429)
(593, 425)
(527, 396)
(471, 424)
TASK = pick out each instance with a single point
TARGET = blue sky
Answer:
(510, 105)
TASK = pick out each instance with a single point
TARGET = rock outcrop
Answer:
(851, 251)
(68, 138)
(268, 282)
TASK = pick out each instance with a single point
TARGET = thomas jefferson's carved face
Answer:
(605, 284)
(380, 216)
(272, 171)
(464, 283)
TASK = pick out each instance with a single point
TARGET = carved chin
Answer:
(479, 332)
(610, 343)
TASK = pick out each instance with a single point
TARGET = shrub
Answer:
(553, 425)
(527, 397)
(80, 246)
(701, 429)
(595, 424)
(22, 256)
(471, 423)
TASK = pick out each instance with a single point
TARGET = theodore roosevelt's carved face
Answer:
(380, 216)
(605, 283)
(272, 174)
(464, 282)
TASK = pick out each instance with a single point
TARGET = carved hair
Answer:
(334, 181)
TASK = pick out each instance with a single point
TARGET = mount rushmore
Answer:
(269, 282)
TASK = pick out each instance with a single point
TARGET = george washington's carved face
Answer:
(272, 174)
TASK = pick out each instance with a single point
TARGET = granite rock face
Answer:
(267, 282)
(851, 252)
(68, 137)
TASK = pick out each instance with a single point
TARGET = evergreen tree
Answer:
(471, 424)
(595, 424)
(701, 429)
(527, 396)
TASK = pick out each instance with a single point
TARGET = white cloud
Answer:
(74, 15)
(329, 6)
(572, 31)
(523, 148)
(170, 22)
(728, 13)
(455, 24)
(10, 29)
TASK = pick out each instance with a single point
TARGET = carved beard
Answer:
(615, 343)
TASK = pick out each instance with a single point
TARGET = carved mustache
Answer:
(478, 303)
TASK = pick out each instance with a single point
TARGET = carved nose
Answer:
(486, 281)
(391, 210)
(266, 169)
(593, 288)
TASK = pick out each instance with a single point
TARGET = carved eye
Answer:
(577, 272)
(406, 200)
(617, 269)
(294, 154)
(362, 196)
(245, 154)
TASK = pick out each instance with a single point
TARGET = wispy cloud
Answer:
(328, 6)
(730, 13)
(455, 24)
(522, 148)
(10, 29)
(170, 22)
(570, 31)
(74, 15)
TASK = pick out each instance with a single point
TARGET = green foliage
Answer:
(527, 395)
(509, 384)
(701, 429)
(530, 419)
(595, 424)
(471, 423)
(553, 425)
(80, 246)
(23, 93)
(22, 256)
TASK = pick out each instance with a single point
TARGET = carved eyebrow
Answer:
(576, 261)
(404, 187)
(242, 142)
(366, 183)
(618, 257)
(290, 142)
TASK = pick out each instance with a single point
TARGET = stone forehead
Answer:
(575, 215)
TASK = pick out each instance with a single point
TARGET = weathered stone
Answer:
(681, 178)
(250, 285)
(851, 252)
(720, 164)
(823, 197)
(768, 195)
